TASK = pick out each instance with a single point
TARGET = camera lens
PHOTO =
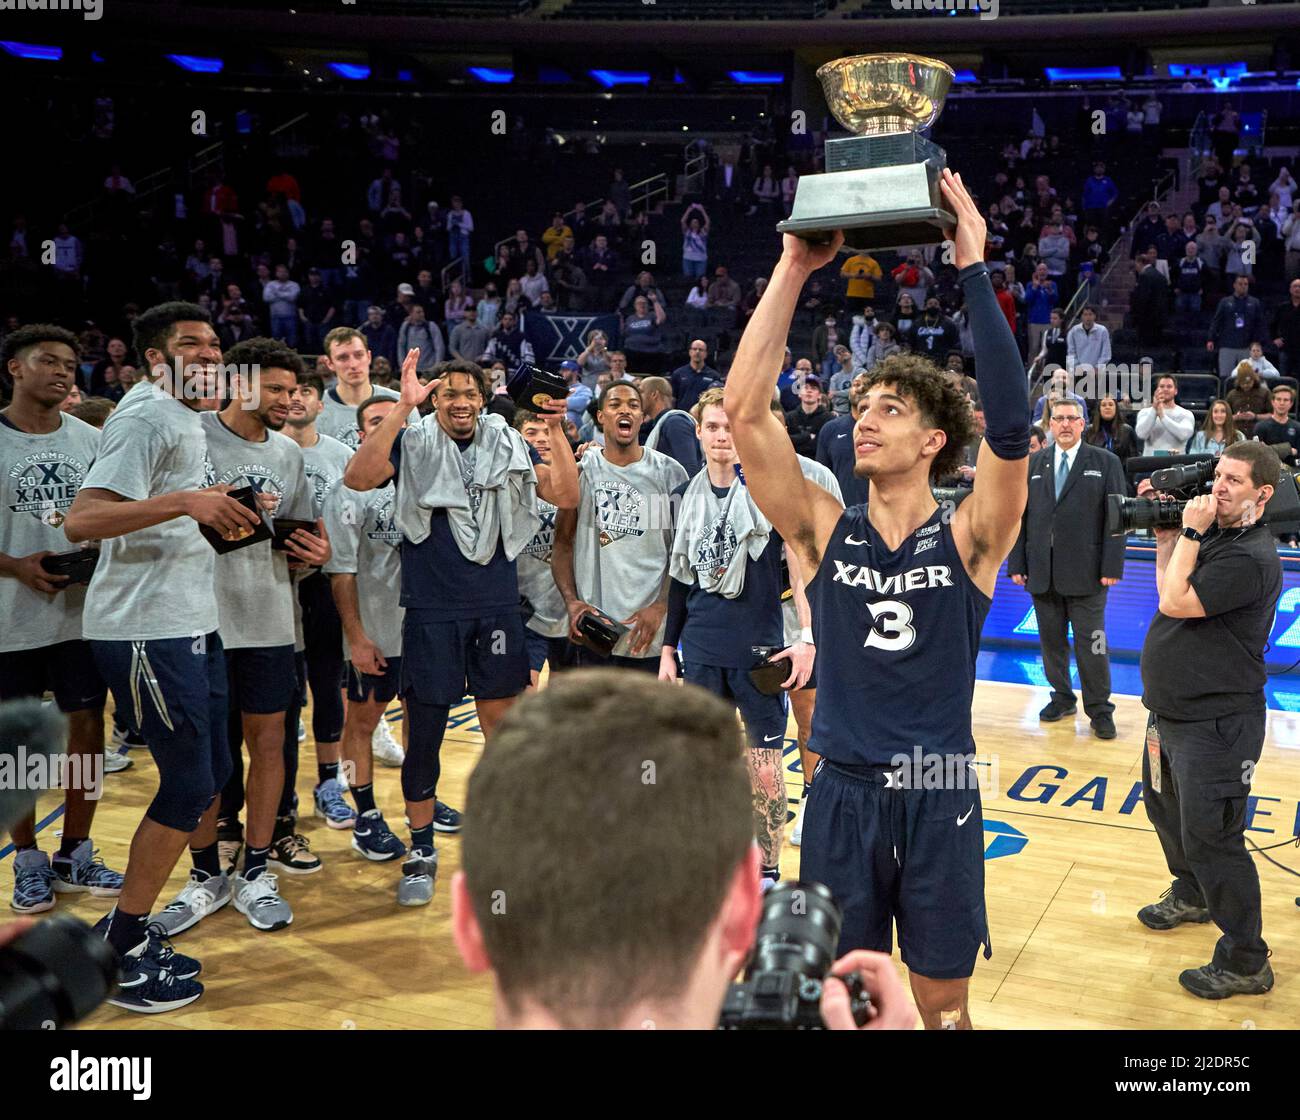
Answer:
(55, 973)
(798, 931)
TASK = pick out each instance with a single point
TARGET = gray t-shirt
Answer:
(339, 420)
(624, 536)
(367, 544)
(324, 463)
(157, 582)
(39, 477)
(823, 476)
(537, 582)
(254, 594)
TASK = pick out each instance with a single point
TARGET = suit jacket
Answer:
(1063, 545)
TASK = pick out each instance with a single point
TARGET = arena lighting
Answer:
(488, 74)
(1084, 74)
(405, 76)
(1207, 70)
(608, 78)
(964, 77)
(756, 78)
(196, 65)
(352, 71)
(32, 50)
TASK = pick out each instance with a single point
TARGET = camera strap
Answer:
(1153, 750)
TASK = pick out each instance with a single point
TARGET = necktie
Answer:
(1062, 470)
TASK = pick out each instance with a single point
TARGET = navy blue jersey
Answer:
(897, 638)
(723, 632)
(835, 450)
(439, 580)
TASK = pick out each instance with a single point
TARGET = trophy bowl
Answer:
(871, 94)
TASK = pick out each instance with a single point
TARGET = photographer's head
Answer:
(607, 926)
(1067, 424)
(1245, 477)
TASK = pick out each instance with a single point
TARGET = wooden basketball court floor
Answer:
(1070, 858)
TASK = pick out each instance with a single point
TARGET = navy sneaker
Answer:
(147, 986)
(445, 818)
(160, 948)
(372, 837)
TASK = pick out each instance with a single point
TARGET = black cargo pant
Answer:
(1087, 614)
(1206, 767)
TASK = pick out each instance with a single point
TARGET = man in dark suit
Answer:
(1067, 562)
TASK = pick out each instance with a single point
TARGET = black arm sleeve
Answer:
(1000, 371)
(675, 620)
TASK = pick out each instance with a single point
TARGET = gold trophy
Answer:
(882, 184)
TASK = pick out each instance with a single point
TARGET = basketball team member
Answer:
(611, 553)
(835, 446)
(724, 604)
(466, 505)
(151, 618)
(44, 456)
(899, 592)
(796, 618)
(365, 572)
(547, 629)
(255, 609)
(348, 358)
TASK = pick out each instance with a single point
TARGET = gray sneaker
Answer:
(1171, 911)
(198, 899)
(416, 885)
(260, 902)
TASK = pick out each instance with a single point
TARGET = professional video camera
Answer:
(1184, 477)
(782, 990)
(61, 970)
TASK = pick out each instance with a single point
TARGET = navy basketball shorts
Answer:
(914, 856)
(764, 716)
(66, 669)
(262, 681)
(443, 662)
(364, 688)
(541, 649)
(173, 691)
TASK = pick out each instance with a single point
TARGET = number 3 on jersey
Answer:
(890, 628)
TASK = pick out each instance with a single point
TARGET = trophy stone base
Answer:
(878, 208)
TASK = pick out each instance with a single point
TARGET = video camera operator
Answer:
(1203, 677)
(641, 926)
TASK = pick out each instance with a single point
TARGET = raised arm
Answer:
(558, 482)
(986, 525)
(370, 467)
(804, 514)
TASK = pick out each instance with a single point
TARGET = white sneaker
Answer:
(796, 836)
(302, 732)
(260, 902)
(384, 747)
(116, 761)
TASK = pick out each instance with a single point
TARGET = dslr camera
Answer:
(795, 948)
(1184, 481)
